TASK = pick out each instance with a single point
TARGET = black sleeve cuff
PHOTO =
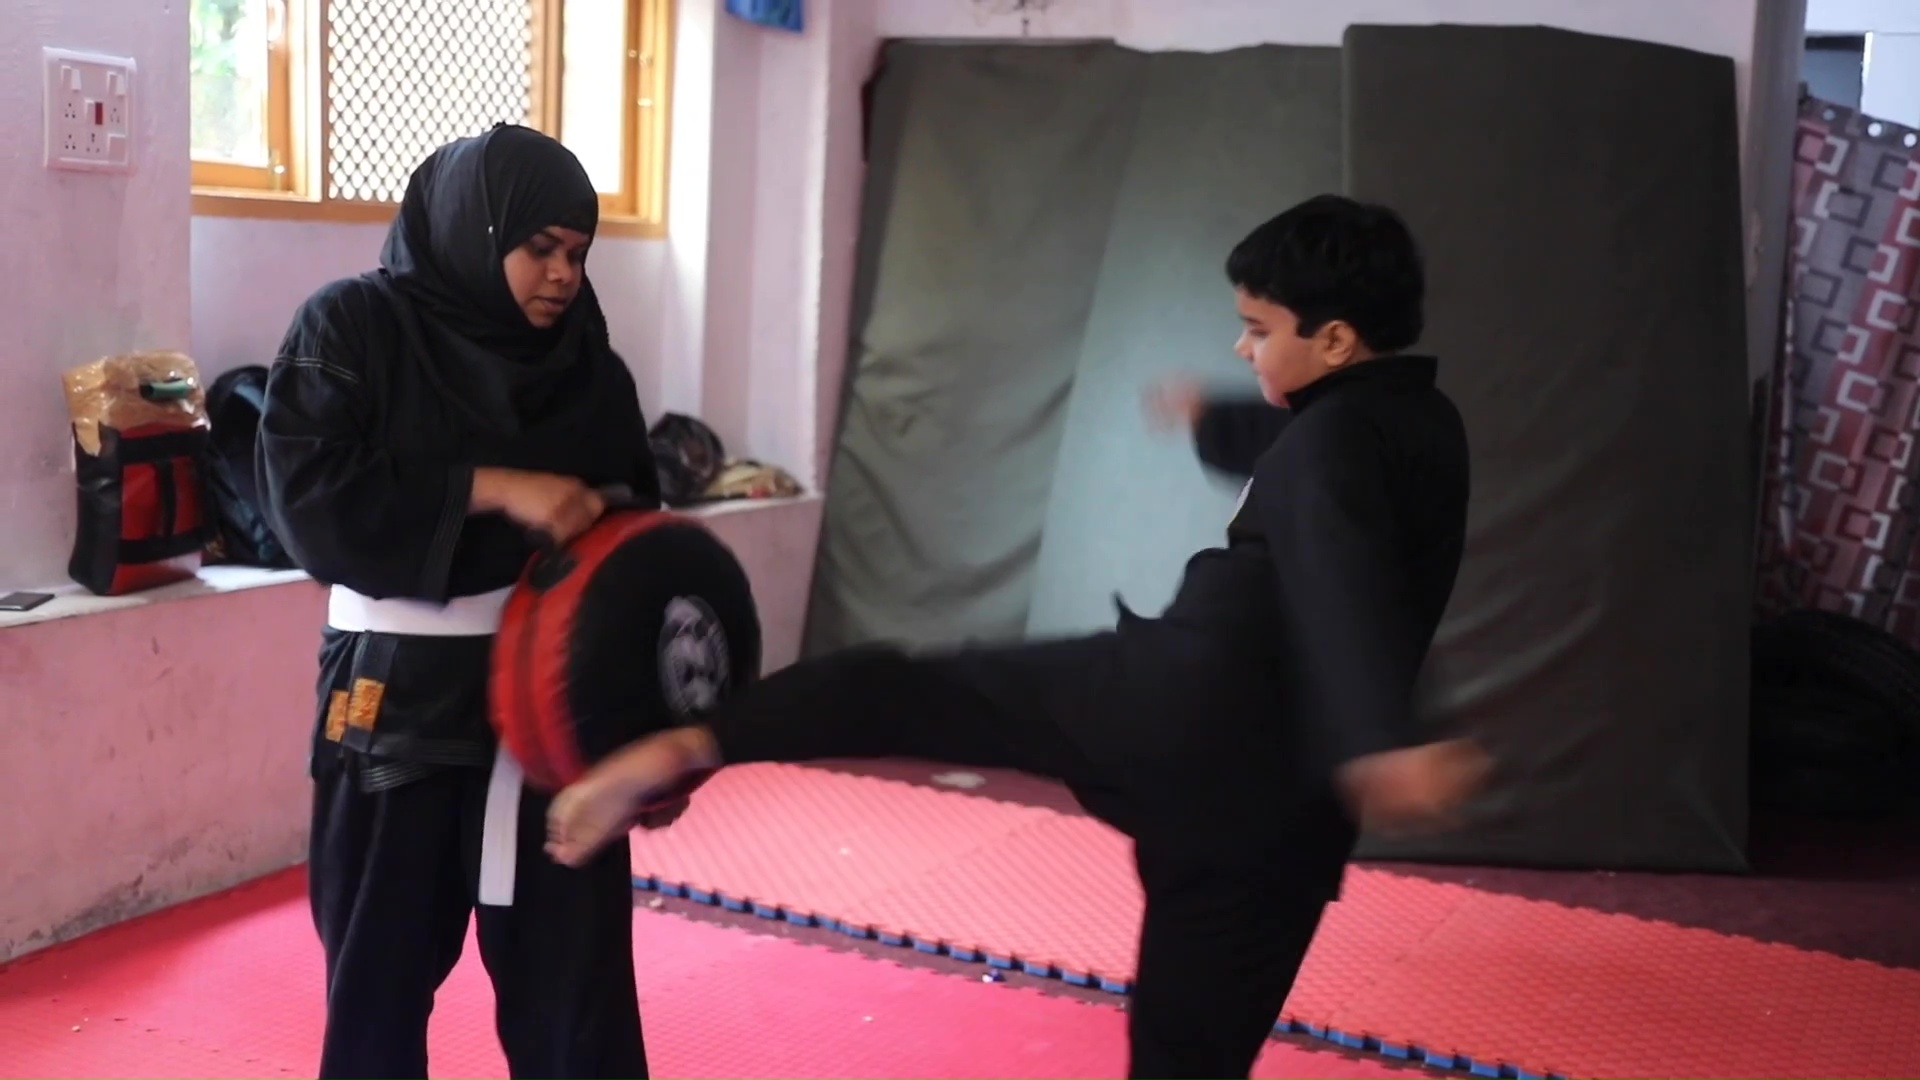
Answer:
(435, 576)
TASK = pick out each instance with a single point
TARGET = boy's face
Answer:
(1282, 360)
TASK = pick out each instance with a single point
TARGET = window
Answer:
(1833, 68)
(321, 108)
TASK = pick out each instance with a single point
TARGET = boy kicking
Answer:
(1243, 737)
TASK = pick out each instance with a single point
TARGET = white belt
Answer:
(462, 616)
(500, 832)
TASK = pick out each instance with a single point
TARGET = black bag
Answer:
(237, 533)
(688, 456)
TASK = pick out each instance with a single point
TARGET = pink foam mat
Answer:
(1445, 973)
(231, 987)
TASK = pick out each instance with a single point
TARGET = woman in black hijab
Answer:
(425, 424)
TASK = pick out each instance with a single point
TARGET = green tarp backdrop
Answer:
(1043, 238)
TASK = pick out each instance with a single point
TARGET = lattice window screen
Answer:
(405, 76)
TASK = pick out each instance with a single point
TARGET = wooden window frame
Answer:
(292, 188)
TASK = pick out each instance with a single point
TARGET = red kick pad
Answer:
(643, 619)
(231, 988)
(1472, 979)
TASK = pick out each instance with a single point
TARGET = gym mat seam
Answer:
(1361, 1042)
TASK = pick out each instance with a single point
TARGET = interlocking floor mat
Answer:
(1497, 985)
(231, 987)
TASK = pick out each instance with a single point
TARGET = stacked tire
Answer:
(1836, 717)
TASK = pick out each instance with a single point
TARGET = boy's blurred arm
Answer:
(1230, 435)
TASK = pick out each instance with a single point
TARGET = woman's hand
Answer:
(559, 506)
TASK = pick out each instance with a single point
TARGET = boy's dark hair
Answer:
(1332, 258)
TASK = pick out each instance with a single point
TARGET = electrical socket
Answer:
(89, 111)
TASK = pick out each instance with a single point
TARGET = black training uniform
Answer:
(1231, 434)
(1211, 733)
(366, 468)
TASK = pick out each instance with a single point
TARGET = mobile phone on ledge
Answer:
(23, 601)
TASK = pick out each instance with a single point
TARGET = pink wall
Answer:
(161, 752)
(833, 247)
(98, 262)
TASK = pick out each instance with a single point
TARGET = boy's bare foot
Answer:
(1416, 789)
(616, 794)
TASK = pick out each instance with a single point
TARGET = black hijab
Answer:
(467, 206)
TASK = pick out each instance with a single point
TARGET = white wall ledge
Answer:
(71, 601)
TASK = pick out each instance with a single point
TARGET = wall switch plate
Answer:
(89, 107)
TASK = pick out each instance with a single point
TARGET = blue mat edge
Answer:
(1404, 1053)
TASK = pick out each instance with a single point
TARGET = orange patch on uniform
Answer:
(363, 708)
(337, 716)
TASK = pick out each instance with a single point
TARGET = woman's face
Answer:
(545, 273)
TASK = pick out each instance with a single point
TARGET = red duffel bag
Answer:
(139, 433)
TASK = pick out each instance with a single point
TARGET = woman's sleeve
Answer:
(1231, 435)
(350, 512)
(644, 472)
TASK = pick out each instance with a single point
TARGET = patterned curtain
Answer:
(1840, 506)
